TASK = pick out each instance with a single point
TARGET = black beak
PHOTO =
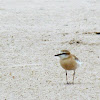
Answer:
(58, 54)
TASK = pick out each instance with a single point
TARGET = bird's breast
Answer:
(68, 64)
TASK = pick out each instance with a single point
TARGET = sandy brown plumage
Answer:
(68, 61)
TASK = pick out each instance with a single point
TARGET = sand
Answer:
(32, 32)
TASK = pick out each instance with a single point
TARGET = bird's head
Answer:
(64, 54)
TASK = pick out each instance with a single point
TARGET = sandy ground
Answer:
(32, 32)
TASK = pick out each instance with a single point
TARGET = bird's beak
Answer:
(58, 54)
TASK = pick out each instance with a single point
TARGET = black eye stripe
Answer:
(63, 53)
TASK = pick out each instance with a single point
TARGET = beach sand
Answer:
(32, 32)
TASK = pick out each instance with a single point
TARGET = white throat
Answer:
(63, 56)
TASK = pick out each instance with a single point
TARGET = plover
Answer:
(69, 62)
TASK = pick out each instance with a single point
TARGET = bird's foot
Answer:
(72, 82)
(68, 83)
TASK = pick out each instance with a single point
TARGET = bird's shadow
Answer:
(72, 84)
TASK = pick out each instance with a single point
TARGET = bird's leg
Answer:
(73, 76)
(66, 76)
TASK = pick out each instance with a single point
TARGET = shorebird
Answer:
(68, 61)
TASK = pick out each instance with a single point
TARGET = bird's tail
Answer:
(79, 62)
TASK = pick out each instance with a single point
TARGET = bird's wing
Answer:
(75, 57)
(77, 60)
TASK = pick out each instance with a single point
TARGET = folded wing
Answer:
(77, 60)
